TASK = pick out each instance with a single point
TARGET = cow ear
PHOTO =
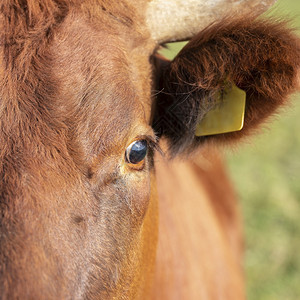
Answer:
(258, 57)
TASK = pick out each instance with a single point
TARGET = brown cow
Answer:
(79, 147)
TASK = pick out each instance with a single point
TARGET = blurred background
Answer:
(266, 174)
(267, 178)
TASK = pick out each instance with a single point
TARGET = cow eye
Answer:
(136, 152)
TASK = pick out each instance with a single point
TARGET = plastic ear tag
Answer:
(228, 114)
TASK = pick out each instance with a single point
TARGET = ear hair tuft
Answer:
(262, 57)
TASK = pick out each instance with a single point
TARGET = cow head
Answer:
(79, 126)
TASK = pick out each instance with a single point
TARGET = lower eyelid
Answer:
(139, 166)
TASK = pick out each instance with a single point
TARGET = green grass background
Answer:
(267, 177)
(266, 173)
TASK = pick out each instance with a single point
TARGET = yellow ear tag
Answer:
(227, 116)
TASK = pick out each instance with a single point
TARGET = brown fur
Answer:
(77, 221)
(50, 156)
(200, 243)
(260, 56)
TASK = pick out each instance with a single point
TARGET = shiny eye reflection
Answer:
(136, 152)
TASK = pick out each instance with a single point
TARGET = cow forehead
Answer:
(104, 75)
(91, 72)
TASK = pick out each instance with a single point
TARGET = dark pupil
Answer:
(137, 152)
